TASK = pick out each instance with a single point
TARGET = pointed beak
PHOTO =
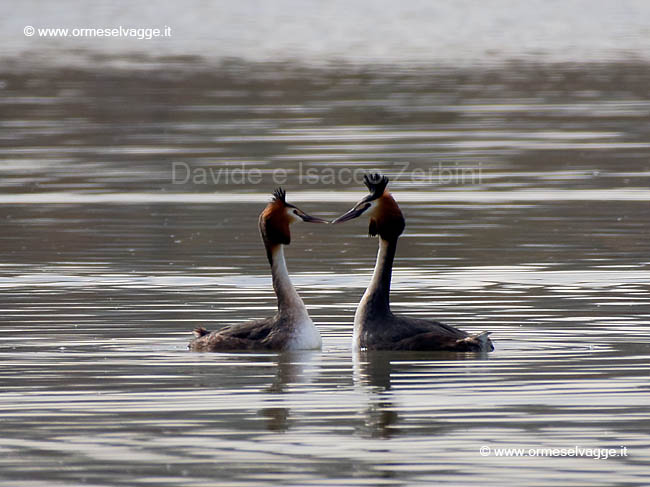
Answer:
(353, 213)
(310, 219)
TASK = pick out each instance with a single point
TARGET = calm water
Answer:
(410, 32)
(527, 215)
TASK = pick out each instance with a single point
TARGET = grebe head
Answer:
(278, 215)
(386, 219)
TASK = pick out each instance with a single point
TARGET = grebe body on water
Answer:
(290, 328)
(376, 327)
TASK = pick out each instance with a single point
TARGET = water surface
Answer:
(527, 215)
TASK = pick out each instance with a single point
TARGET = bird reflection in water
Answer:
(292, 367)
(372, 370)
(374, 373)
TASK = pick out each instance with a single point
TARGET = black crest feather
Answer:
(376, 184)
(279, 195)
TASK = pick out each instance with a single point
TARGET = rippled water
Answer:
(527, 215)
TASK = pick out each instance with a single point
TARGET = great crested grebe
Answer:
(291, 328)
(375, 326)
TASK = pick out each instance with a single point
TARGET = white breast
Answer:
(359, 316)
(305, 337)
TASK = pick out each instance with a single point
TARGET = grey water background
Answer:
(518, 149)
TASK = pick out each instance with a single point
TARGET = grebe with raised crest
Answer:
(375, 325)
(290, 328)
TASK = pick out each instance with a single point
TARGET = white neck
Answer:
(375, 303)
(288, 299)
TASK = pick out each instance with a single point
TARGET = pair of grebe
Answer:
(375, 325)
